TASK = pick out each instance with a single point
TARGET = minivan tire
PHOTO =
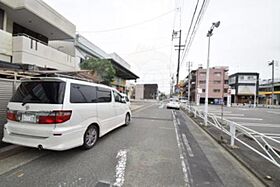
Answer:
(127, 119)
(90, 137)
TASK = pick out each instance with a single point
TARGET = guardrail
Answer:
(267, 146)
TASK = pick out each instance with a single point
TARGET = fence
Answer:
(267, 146)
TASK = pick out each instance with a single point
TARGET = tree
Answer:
(101, 69)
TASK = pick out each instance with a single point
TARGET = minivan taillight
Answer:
(11, 115)
(60, 116)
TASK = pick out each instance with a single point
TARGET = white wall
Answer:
(5, 46)
(44, 56)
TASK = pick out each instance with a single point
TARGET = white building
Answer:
(27, 28)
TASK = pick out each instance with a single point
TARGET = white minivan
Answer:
(62, 113)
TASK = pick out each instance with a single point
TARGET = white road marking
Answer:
(161, 106)
(273, 112)
(230, 114)
(260, 125)
(166, 128)
(184, 162)
(189, 149)
(247, 119)
(178, 122)
(120, 167)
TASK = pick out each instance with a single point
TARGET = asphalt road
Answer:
(262, 120)
(159, 148)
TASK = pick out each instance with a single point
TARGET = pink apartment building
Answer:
(218, 84)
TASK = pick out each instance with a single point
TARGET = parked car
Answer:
(173, 103)
(62, 113)
(126, 98)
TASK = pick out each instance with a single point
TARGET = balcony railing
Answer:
(29, 50)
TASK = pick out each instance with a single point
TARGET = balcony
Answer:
(5, 46)
(27, 50)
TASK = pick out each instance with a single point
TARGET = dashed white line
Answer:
(189, 149)
(178, 122)
(185, 167)
(120, 167)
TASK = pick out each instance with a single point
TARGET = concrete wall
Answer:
(5, 46)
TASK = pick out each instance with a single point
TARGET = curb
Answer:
(231, 152)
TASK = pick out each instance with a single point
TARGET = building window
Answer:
(217, 90)
(217, 82)
(203, 90)
(202, 82)
(241, 77)
(1, 19)
(203, 74)
(217, 74)
(225, 90)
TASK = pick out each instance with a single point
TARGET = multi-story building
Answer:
(218, 84)
(83, 49)
(245, 86)
(265, 92)
(146, 91)
(26, 29)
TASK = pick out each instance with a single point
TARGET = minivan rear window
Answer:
(49, 92)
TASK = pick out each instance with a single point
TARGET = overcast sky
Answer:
(140, 32)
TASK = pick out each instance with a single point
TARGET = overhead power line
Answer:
(131, 25)
(197, 22)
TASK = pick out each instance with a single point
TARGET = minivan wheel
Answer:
(90, 137)
(127, 119)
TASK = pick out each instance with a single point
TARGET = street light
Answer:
(272, 82)
(209, 34)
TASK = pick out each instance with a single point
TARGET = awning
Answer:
(123, 72)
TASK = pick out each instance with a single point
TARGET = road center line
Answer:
(189, 149)
(185, 167)
(120, 167)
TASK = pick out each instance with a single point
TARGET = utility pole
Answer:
(180, 47)
(189, 83)
(272, 82)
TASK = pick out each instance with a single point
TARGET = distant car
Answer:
(173, 103)
(126, 98)
(183, 100)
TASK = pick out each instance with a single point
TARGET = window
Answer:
(217, 82)
(217, 90)
(203, 74)
(203, 90)
(241, 77)
(217, 74)
(103, 95)
(1, 19)
(225, 90)
(118, 97)
(202, 82)
(40, 92)
(82, 94)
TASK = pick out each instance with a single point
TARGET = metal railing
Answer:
(267, 146)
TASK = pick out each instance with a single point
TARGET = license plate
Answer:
(31, 118)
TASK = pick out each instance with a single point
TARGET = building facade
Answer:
(265, 92)
(146, 91)
(245, 86)
(26, 29)
(218, 85)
